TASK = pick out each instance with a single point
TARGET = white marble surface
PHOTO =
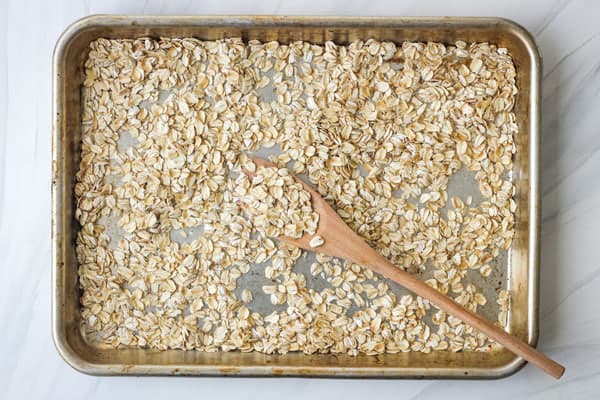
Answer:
(568, 33)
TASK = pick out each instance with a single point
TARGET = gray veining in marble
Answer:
(568, 34)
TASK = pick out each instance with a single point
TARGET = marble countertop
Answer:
(568, 34)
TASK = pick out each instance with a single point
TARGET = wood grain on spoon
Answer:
(343, 242)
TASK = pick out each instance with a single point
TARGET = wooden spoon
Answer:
(343, 242)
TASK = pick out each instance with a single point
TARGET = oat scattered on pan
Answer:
(377, 129)
(316, 241)
(277, 204)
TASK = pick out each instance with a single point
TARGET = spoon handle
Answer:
(381, 265)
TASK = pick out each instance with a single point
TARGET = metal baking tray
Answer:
(519, 272)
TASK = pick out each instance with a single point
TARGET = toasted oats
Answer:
(376, 128)
(246, 295)
(277, 203)
(316, 241)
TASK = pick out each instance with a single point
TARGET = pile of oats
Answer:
(277, 204)
(168, 257)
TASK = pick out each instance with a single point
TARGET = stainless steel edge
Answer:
(62, 346)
